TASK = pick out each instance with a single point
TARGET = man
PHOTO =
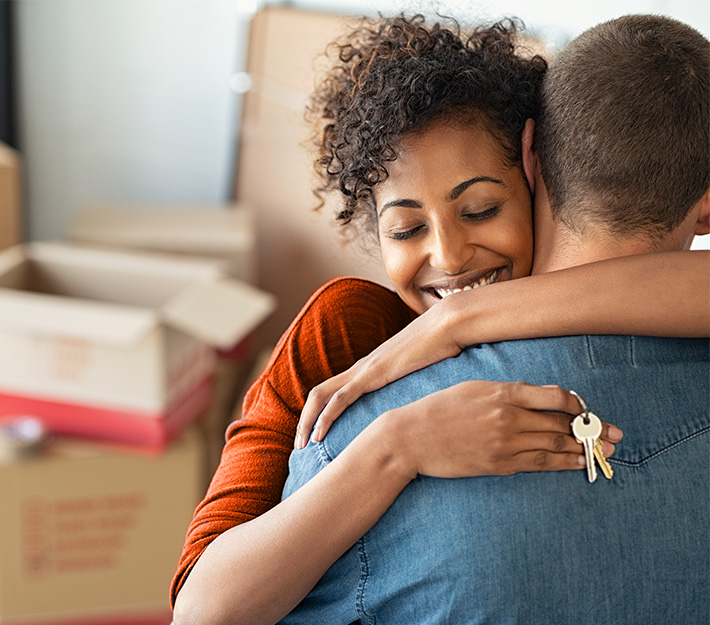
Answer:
(621, 166)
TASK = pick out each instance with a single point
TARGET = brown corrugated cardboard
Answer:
(9, 196)
(298, 249)
(89, 534)
(112, 330)
(225, 232)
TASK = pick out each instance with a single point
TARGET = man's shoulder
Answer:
(591, 350)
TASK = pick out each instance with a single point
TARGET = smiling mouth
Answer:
(442, 292)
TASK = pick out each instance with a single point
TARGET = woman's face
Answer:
(452, 215)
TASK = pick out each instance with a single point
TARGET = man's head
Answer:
(623, 138)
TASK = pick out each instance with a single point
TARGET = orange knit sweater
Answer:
(342, 322)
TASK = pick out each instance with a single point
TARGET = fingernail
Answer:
(607, 449)
(615, 434)
(581, 461)
(551, 385)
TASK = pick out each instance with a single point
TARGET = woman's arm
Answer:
(260, 570)
(659, 294)
(343, 321)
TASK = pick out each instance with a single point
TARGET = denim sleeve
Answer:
(334, 599)
(303, 465)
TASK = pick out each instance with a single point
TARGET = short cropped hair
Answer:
(623, 134)
(395, 76)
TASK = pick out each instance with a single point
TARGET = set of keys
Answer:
(587, 429)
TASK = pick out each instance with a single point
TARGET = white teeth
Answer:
(442, 293)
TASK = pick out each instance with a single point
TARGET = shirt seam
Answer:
(661, 451)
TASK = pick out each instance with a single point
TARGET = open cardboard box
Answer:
(91, 535)
(224, 233)
(115, 344)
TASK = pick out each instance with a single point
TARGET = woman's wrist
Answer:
(451, 315)
(384, 442)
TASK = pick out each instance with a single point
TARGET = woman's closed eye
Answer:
(403, 235)
(483, 215)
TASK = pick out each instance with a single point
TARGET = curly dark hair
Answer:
(395, 76)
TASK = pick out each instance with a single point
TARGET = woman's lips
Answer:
(442, 291)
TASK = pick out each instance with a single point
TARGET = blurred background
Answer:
(147, 148)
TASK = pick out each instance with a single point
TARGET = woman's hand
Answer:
(423, 342)
(490, 428)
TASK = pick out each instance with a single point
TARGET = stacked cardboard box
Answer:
(92, 534)
(112, 344)
(274, 172)
(128, 346)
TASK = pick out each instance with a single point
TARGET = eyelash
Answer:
(407, 234)
(482, 216)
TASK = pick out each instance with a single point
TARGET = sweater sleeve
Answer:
(342, 322)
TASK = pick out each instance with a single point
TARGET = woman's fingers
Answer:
(553, 398)
(339, 401)
(610, 433)
(533, 397)
(315, 403)
(540, 460)
(325, 403)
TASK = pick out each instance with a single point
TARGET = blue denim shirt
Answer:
(542, 548)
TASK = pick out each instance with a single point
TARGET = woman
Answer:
(404, 99)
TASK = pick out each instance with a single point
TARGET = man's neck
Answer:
(558, 247)
(572, 250)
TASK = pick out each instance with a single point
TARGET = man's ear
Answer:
(529, 156)
(702, 225)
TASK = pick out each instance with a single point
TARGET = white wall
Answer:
(124, 101)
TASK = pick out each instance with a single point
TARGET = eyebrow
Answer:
(450, 197)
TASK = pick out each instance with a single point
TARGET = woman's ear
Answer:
(529, 156)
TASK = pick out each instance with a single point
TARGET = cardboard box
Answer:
(10, 228)
(226, 233)
(90, 535)
(299, 250)
(93, 340)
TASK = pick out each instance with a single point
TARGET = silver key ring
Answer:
(583, 404)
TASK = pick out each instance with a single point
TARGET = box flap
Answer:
(219, 313)
(209, 231)
(11, 258)
(49, 315)
(136, 262)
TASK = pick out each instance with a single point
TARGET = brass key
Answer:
(603, 462)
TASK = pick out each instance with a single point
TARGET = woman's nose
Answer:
(450, 250)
